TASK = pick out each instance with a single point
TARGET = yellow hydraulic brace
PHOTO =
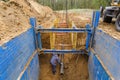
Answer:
(52, 40)
(52, 35)
(56, 23)
(73, 35)
(73, 38)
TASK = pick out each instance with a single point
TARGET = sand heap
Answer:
(15, 14)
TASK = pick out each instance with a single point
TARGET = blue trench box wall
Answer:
(15, 59)
(104, 61)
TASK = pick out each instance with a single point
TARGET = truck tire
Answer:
(117, 23)
(106, 18)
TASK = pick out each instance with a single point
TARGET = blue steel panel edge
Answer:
(89, 34)
(27, 65)
(105, 68)
(95, 19)
(39, 41)
(95, 22)
(33, 25)
(37, 36)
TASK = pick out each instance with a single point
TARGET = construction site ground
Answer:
(14, 20)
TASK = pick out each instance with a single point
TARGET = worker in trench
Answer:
(54, 61)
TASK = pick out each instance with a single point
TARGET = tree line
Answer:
(73, 4)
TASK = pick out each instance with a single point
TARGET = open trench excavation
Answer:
(14, 20)
(75, 65)
(75, 68)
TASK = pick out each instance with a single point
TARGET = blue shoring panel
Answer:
(96, 70)
(108, 49)
(15, 54)
(37, 36)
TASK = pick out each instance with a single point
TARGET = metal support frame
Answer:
(90, 30)
(63, 30)
(89, 34)
(37, 36)
(64, 51)
(95, 22)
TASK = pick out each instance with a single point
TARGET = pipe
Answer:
(62, 69)
(62, 65)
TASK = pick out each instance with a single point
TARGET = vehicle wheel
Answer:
(106, 18)
(117, 23)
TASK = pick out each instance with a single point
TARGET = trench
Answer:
(75, 68)
(75, 65)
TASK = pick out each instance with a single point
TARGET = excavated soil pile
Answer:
(15, 14)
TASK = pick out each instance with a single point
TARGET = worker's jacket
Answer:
(54, 60)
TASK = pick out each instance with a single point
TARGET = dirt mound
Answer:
(15, 14)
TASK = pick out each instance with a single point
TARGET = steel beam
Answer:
(61, 30)
(63, 51)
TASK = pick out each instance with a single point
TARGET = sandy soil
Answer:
(15, 14)
(110, 29)
(76, 68)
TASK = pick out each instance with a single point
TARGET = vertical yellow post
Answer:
(71, 25)
(52, 35)
(74, 39)
(56, 23)
(52, 40)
